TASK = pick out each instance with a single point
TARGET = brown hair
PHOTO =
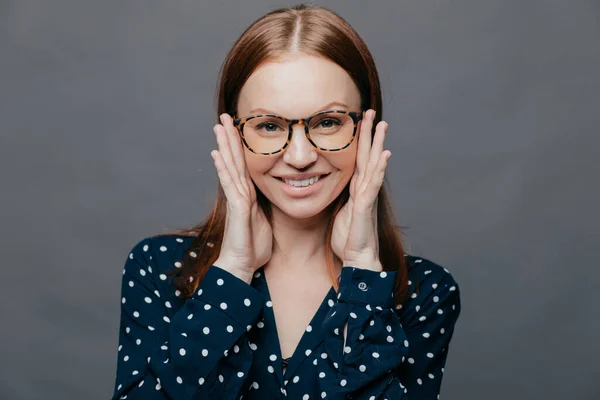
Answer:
(301, 29)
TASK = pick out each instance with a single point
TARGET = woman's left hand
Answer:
(354, 238)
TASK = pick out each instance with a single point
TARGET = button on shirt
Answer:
(222, 342)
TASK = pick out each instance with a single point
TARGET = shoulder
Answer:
(159, 254)
(426, 275)
(433, 290)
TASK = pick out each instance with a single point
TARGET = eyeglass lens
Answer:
(267, 134)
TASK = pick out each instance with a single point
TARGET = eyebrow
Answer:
(325, 107)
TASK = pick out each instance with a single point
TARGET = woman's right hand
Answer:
(247, 240)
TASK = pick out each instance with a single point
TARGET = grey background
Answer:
(106, 115)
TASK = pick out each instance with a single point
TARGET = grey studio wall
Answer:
(106, 115)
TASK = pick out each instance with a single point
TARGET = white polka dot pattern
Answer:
(222, 342)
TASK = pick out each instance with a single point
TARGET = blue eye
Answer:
(270, 127)
(329, 122)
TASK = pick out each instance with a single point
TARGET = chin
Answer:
(300, 212)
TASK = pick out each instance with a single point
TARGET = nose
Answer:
(300, 152)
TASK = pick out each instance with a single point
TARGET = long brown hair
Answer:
(301, 29)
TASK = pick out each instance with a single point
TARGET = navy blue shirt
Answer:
(222, 342)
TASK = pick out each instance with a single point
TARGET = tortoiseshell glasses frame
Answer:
(239, 124)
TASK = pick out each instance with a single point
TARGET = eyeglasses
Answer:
(330, 130)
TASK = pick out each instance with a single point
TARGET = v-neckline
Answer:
(308, 341)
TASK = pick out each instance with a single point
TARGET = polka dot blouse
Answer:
(222, 342)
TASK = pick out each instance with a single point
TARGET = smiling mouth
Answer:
(303, 182)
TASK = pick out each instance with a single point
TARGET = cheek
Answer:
(345, 166)
(346, 161)
(257, 165)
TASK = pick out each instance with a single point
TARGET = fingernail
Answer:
(221, 117)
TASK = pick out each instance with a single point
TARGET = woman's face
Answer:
(297, 88)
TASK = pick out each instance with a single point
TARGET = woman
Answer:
(301, 205)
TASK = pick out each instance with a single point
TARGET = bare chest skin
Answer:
(295, 302)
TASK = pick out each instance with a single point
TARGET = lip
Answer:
(303, 191)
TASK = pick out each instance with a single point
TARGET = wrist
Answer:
(369, 263)
(235, 268)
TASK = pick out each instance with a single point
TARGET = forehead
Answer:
(297, 87)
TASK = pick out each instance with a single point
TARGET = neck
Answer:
(299, 244)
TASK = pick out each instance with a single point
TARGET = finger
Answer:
(378, 176)
(353, 183)
(235, 145)
(225, 151)
(367, 193)
(364, 142)
(224, 175)
(376, 148)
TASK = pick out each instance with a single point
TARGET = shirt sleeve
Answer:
(362, 366)
(199, 351)
(429, 332)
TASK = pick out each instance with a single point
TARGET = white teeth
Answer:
(304, 182)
